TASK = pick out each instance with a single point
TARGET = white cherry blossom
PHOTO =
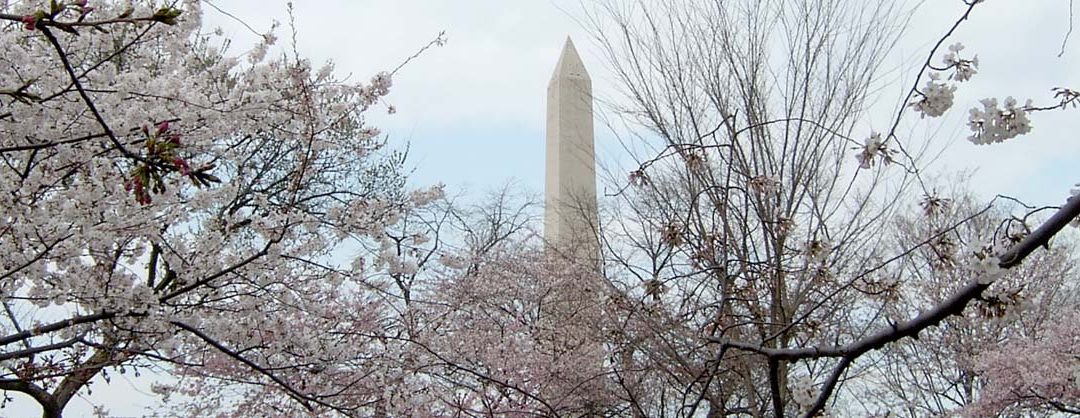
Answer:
(937, 97)
(993, 124)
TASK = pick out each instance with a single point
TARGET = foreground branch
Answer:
(953, 305)
(300, 397)
(49, 407)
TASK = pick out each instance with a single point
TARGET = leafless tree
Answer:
(747, 245)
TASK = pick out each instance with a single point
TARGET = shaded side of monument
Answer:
(570, 209)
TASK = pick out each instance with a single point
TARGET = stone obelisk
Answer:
(570, 216)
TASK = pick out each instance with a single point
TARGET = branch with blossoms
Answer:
(304, 400)
(955, 304)
(162, 157)
(935, 97)
(1066, 98)
(71, 16)
(159, 160)
(990, 124)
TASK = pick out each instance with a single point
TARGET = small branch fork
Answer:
(955, 304)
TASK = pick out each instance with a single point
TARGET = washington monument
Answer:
(570, 215)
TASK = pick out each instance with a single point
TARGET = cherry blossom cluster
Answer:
(993, 124)
(873, 148)
(963, 68)
(816, 252)
(982, 258)
(763, 184)
(936, 97)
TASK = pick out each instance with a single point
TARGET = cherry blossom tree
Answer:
(517, 332)
(1033, 375)
(172, 206)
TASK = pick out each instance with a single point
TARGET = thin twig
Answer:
(233, 17)
(1065, 41)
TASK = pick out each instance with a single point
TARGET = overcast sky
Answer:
(473, 110)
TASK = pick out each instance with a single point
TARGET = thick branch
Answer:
(774, 387)
(39, 349)
(49, 407)
(55, 326)
(68, 26)
(78, 378)
(953, 305)
(828, 387)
